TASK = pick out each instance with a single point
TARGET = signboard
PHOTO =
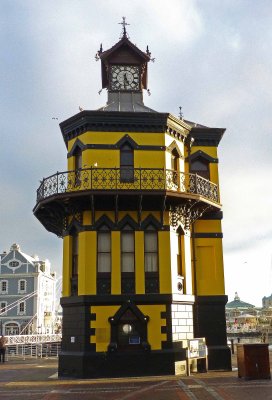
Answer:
(134, 339)
(197, 348)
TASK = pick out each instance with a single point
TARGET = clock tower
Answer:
(140, 215)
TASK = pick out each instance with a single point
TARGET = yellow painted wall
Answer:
(154, 335)
(87, 263)
(102, 325)
(209, 267)
(150, 138)
(164, 262)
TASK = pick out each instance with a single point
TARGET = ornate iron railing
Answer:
(144, 179)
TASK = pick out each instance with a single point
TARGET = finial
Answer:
(148, 53)
(124, 24)
(180, 113)
(97, 56)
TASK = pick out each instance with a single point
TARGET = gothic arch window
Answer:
(103, 259)
(151, 259)
(151, 249)
(126, 163)
(128, 259)
(200, 166)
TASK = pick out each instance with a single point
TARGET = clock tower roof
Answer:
(124, 74)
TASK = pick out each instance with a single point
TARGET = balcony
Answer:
(127, 180)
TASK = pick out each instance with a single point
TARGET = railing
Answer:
(32, 339)
(41, 350)
(144, 179)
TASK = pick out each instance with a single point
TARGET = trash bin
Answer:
(253, 361)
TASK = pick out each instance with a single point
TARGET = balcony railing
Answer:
(118, 179)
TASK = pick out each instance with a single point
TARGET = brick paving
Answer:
(36, 379)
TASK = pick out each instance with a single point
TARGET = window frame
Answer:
(3, 291)
(127, 230)
(3, 308)
(19, 311)
(103, 231)
(151, 230)
(22, 291)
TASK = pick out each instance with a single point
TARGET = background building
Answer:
(27, 293)
(140, 216)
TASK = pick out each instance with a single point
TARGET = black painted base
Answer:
(210, 322)
(98, 365)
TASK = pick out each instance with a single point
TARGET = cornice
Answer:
(114, 121)
(207, 136)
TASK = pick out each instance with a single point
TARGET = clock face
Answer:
(125, 77)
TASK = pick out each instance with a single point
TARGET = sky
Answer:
(212, 57)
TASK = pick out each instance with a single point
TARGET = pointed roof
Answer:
(124, 41)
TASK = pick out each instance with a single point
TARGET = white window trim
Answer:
(20, 291)
(18, 308)
(1, 285)
(6, 306)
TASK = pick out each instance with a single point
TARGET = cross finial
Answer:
(124, 24)
(180, 113)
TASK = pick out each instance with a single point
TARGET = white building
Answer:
(27, 293)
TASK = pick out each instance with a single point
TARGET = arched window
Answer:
(128, 259)
(104, 260)
(78, 158)
(78, 166)
(126, 163)
(151, 249)
(201, 167)
(151, 260)
(103, 249)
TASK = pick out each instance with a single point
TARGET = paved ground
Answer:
(37, 380)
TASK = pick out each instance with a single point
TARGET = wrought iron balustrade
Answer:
(144, 179)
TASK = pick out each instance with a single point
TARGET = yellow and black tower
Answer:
(140, 215)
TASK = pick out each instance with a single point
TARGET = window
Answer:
(78, 166)
(74, 255)
(126, 163)
(127, 250)
(104, 250)
(22, 308)
(4, 287)
(175, 167)
(22, 286)
(151, 250)
(3, 308)
(200, 167)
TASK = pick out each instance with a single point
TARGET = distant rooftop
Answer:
(237, 303)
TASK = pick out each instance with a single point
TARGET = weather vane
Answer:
(124, 24)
